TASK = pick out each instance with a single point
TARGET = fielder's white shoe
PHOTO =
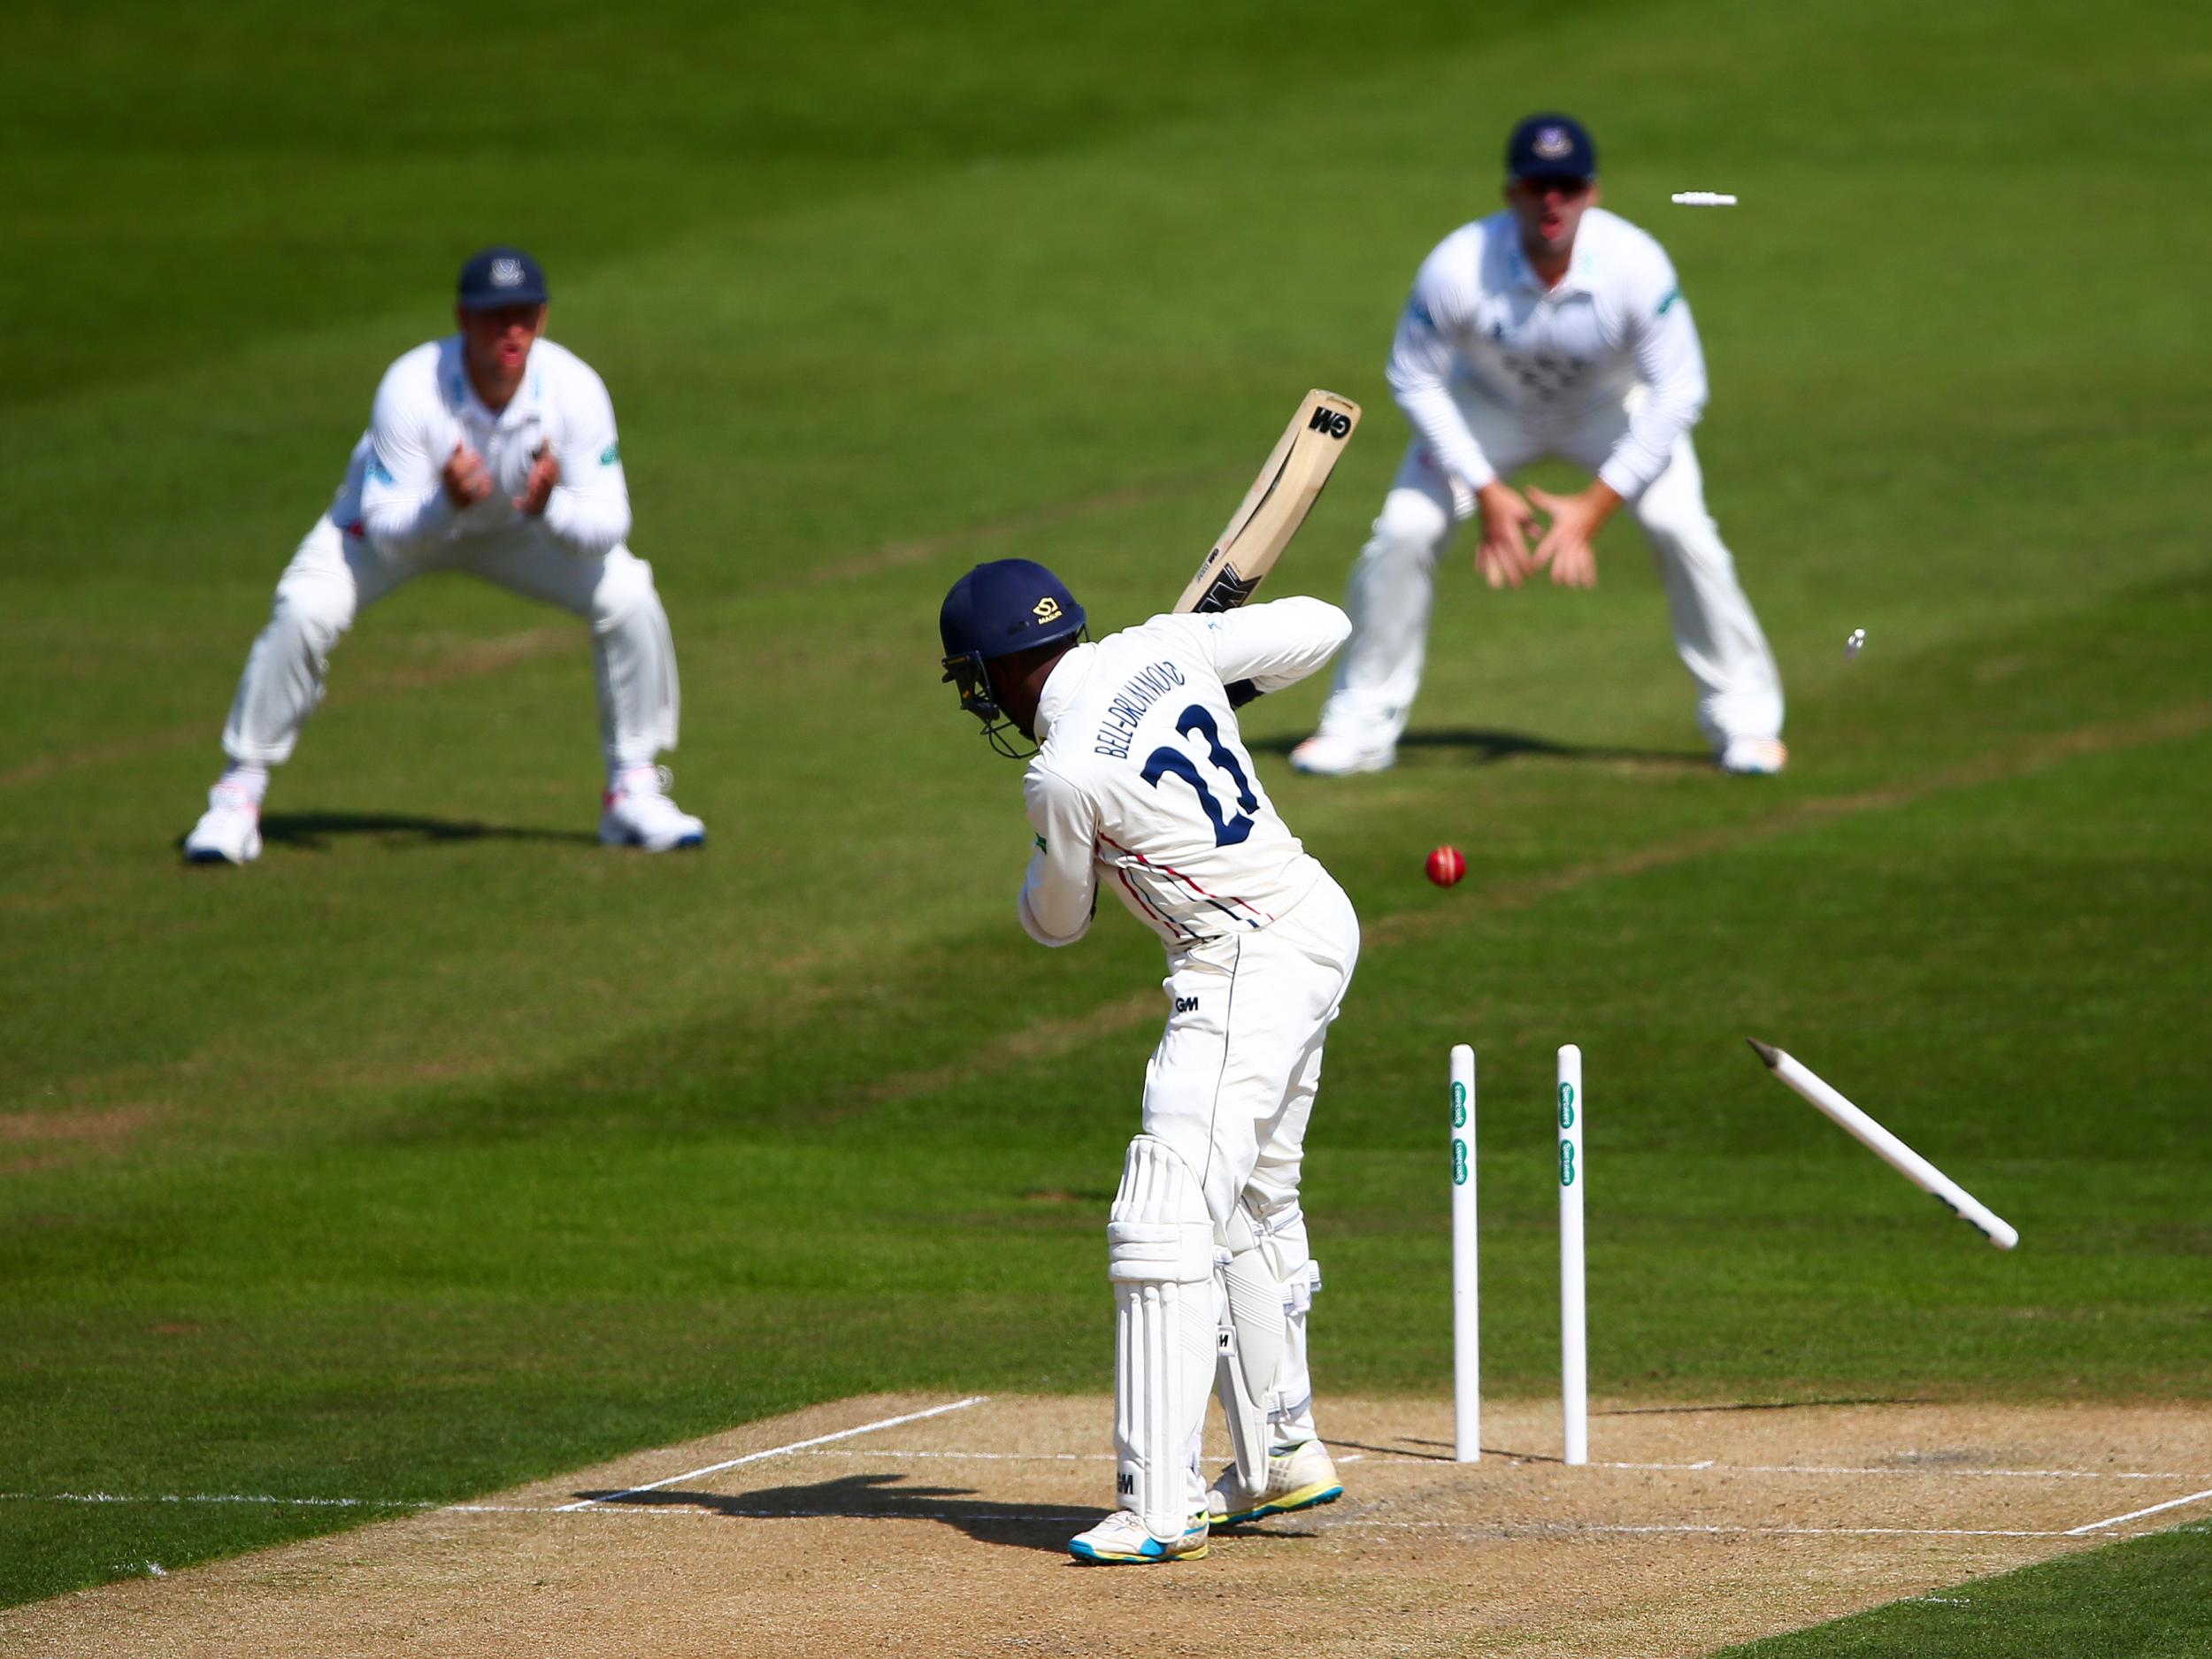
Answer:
(1298, 1478)
(229, 832)
(1120, 1540)
(1326, 754)
(640, 814)
(1753, 756)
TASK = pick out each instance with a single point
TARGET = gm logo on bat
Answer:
(1333, 421)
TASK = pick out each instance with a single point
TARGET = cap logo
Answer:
(506, 273)
(1047, 608)
(1552, 143)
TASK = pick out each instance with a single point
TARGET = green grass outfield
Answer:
(2151, 1596)
(441, 1148)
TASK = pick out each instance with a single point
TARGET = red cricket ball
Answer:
(1446, 866)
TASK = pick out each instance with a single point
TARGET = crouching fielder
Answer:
(1140, 782)
(1553, 328)
(491, 451)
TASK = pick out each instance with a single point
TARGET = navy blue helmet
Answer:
(998, 609)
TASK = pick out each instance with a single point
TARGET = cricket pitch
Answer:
(934, 1524)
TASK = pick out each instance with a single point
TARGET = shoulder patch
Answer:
(379, 472)
(1040, 842)
(609, 455)
(1420, 313)
(1667, 299)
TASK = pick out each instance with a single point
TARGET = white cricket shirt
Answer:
(1480, 315)
(392, 491)
(1141, 781)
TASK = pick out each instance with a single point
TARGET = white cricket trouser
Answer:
(1378, 671)
(1231, 1086)
(334, 576)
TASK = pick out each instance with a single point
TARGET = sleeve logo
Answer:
(609, 455)
(1668, 298)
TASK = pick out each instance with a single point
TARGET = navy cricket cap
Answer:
(1551, 147)
(500, 276)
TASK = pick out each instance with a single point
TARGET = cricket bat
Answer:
(1275, 506)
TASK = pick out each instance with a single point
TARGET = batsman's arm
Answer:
(1060, 888)
(1276, 644)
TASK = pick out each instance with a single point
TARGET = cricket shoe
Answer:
(1753, 756)
(1326, 754)
(639, 813)
(1120, 1540)
(1298, 1478)
(229, 832)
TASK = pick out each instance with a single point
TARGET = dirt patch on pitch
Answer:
(838, 1529)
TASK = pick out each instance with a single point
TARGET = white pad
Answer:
(1261, 1377)
(1160, 1256)
(1250, 1348)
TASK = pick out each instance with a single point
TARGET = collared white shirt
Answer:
(1141, 782)
(393, 491)
(1479, 318)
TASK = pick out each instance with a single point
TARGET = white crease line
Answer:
(216, 1497)
(721, 1512)
(1509, 1528)
(692, 1511)
(1710, 1465)
(879, 1453)
(811, 1446)
(1907, 1469)
(2136, 1515)
(778, 1451)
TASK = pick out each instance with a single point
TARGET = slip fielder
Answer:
(491, 451)
(1139, 782)
(1554, 328)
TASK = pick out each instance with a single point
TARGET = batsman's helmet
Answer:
(997, 610)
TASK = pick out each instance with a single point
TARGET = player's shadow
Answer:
(1010, 1523)
(1485, 747)
(312, 832)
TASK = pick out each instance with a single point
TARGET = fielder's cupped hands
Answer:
(537, 489)
(1566, 546)
(1503, 554)
(465, 477)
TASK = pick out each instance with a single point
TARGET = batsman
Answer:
(1139, 781)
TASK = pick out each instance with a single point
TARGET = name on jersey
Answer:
(1139, 693)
